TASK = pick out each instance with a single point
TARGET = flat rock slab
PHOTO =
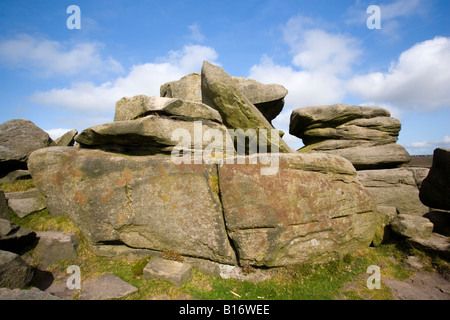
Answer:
(26, 202)
(173, 271)
(422, 286)
(54, 246)
(437, 244)
(32, 294)
(106, 287)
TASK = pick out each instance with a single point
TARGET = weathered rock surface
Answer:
(32, 294)
(55, 246)
(187, 88)
(366, 136)
(15, 238)
(67, 139)
(435, 189)
(313, 209)
(412, 226)
(143, 202)
(141, 106)
(148, 135)
(4, 211)
(303, 119)
(168, 270)
(267, 98)
(394, 187)
(386, 214)
(221, 93)
(106, 287)
(436, 244)
(18, 139)
(15, 175)
(25, 202)
(14, 272)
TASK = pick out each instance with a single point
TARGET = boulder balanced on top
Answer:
(130, 192)
(366, 136)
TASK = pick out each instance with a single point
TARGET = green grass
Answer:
(17, 186)
(345, 279)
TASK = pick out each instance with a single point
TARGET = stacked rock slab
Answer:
(122, 187)
(313, 209)
(366, 136)
(146, 125)
(220, 92)
(267, 98)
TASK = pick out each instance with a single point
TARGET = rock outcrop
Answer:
(267, 98)
(435, 188)
(108, 197)
(312, 210)
(366, 136)
(220, 92)
(394, 187)
(67, 139)
(18, 139)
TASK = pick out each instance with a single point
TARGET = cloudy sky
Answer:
(322, 51)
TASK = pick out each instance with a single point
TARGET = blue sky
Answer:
(321, 51)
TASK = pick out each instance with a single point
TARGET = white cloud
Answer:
(418, 81)
(56, 133)
(427, 147)
(49, 58)
(142, 79)
(196, 35)
(320, 62)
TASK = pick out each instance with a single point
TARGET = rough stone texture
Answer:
(146, 136)
(14, 272)
(18, 139)
(15, 238)
(143, 202)
(141, 105)
(435, 189)
(55, 246)
(313, 209)
(267, 98)
(412, 226)
(25, 202)
(303, 119)
(32, 294)
(386, 215)
(106, 287)
(187, 88)
(6, 227)
(15, 175)
(67, 139)
(373, 157)
(173, 271)
(4, 211)
(220, 92)
(394, 187)
(422, 286)
(436, 244)
(366, 136)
